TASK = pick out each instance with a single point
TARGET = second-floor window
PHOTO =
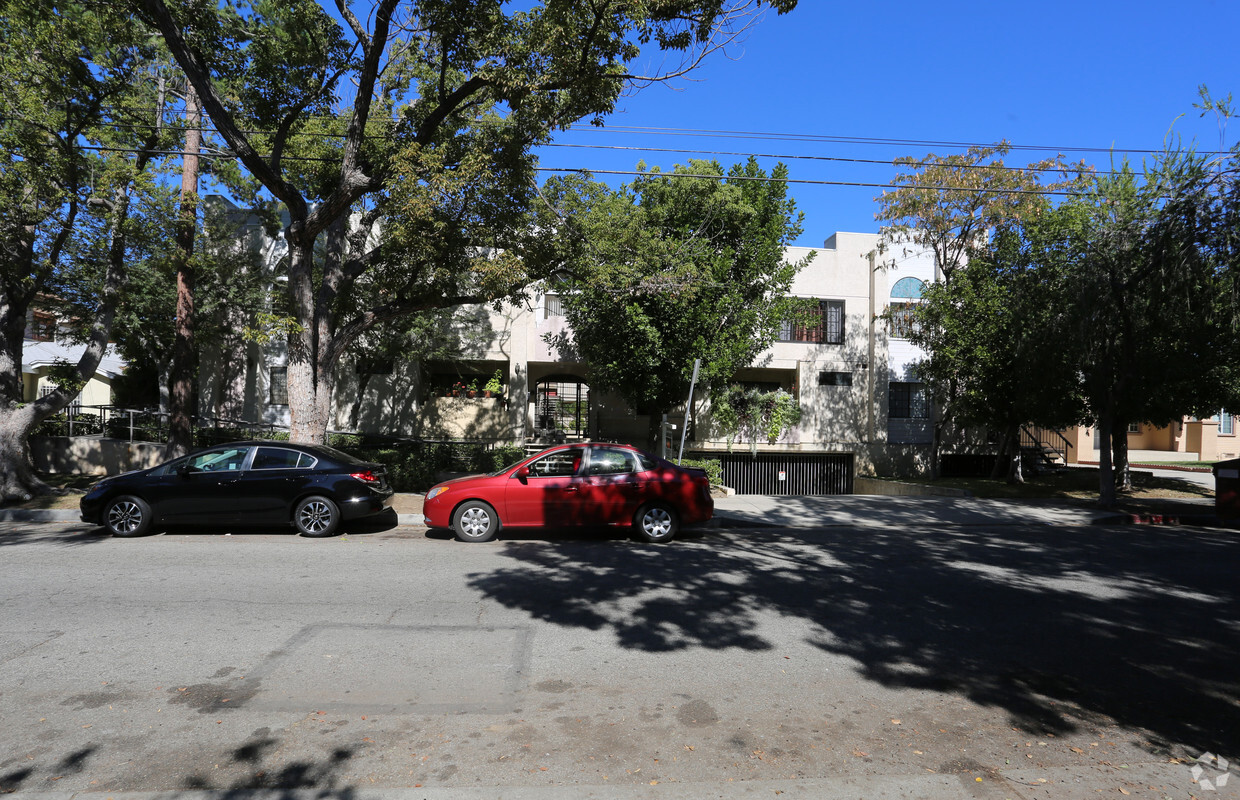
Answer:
(279, 386)
(902, 320)
(42, 327)
(826, 326)
(553, 306)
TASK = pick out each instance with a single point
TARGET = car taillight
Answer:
(366, 477)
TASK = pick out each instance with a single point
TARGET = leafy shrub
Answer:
(496, 458)
(713, 467)
(415, 466)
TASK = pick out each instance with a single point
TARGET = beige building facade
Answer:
(852, 374)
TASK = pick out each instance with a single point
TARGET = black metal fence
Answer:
(789, 474)
(149, 425)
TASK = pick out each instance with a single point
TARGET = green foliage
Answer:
(270, 327)
(495, 385)
(669, 270)
(496, 458)
(713, 467)
(417, 122)
(752, 415)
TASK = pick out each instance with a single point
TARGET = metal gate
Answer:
(789, 474)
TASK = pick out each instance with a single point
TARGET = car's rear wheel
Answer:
(127, 516)
(656, 523)
(475, 521)
(316, 516)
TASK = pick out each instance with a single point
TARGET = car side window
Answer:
(279, 458)
(609, 461)
(647, 462)
(228, 459)
(561, 464)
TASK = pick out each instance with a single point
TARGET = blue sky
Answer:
(1086, 74)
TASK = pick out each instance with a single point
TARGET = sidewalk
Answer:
(861, 511)
(874, 511)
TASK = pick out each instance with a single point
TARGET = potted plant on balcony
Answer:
(472, 390)
(494, 387)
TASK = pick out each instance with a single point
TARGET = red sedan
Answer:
(576, 484)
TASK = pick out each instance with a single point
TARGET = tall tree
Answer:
(79, 127)
(951, 205)
(986, 335)
(434, 107)
(680, 266)
(1145, 289)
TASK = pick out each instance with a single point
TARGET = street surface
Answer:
(922, 661)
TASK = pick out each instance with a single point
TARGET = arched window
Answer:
(908, 289)
(902, 314)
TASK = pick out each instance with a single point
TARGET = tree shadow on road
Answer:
(1064, 628)
(60, 534)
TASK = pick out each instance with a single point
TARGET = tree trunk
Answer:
(355, 412)
(1119, 446)
(181, 420)
(18, 480)
(1015, 474)
(309, 384)
(999, 468)
(1106, 481)
(13, 308)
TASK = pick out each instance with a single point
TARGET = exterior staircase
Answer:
(1043, 449)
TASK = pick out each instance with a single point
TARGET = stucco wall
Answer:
(91, 456)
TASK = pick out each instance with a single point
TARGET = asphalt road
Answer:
(1012, 661)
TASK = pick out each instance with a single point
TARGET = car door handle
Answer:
(570, 489)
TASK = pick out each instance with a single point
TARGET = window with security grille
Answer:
(553, 306)
(907, 401)
(902, 320)
(279, 386)
(826, 325)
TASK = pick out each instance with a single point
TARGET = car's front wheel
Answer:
(656, 523)
(475, 521)
(127, 516)
(316, 516)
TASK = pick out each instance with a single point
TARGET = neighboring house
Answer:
(852, 373)
(1191, 439)
(43, 348)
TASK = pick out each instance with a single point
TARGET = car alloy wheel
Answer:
(127, 516)
(316, 516)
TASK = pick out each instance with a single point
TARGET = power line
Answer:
(814, 137)
(805, 181)
(789, 157)
(870, 140)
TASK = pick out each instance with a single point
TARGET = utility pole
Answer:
(180, 420)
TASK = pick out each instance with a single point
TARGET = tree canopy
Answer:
(672, 268)
(403, 136)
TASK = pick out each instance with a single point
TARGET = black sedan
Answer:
(312, 487)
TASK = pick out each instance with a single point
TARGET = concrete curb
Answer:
(68, 515)
(39, 515)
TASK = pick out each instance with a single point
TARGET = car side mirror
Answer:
(183, 469)
(522, 474)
